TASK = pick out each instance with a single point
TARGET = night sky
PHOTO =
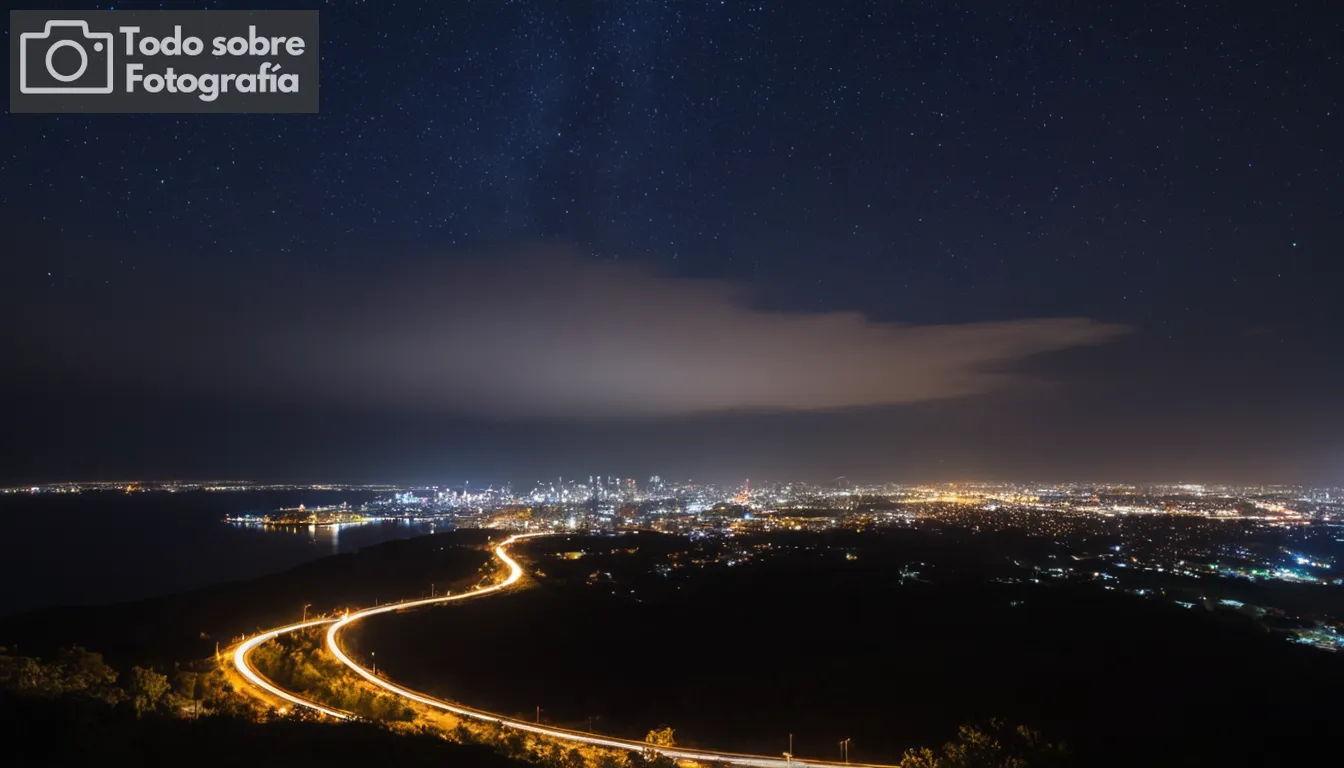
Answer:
(891, 240)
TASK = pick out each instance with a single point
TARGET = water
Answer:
(94, 548)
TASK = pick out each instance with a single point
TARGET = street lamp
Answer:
(306, 606)
(844, 750)
(374, 655)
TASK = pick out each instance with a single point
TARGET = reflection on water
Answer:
(333, 538)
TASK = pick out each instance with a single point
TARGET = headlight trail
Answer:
(245, 669)
(562, 734)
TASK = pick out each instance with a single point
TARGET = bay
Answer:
(103, 547)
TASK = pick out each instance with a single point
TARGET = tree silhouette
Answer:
(993, 745)
(661, 737)
(147, 689)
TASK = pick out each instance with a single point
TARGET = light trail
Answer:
(245, 669)
(240, 661)
(561, 734)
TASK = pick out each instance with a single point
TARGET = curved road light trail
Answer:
(515, 574)
(245, 669)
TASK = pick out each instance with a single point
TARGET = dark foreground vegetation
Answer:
(890, 640)
(78, 710)
(56, 734)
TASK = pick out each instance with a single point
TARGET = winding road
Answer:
(334, 627)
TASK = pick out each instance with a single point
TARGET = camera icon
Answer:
(37, 65)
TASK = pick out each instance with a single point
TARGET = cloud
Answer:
(552, 336)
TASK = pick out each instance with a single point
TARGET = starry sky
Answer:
(891, 240)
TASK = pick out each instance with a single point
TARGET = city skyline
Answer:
(672, 384)
(612, 484)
